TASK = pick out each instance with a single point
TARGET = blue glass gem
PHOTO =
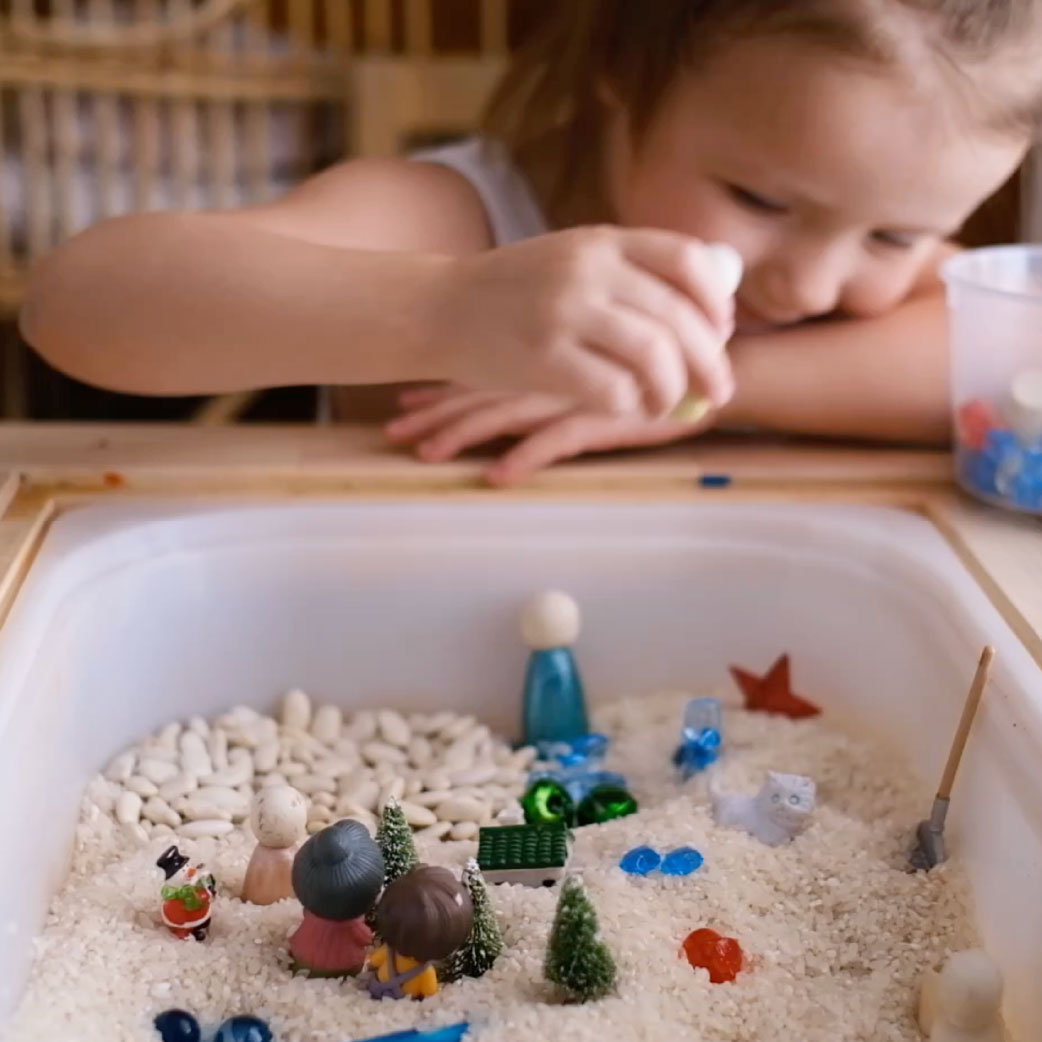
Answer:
(697, 752)
(640, 861)
(592, 746)
(681, 862)
(554, 708)
(977, 471)
(243, 1029)
(175, 1025)
(700, 713)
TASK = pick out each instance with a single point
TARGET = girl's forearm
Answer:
(197, 304)
(883, 378)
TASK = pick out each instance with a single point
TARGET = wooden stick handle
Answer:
(969, 711)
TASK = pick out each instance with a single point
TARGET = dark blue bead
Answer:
(592, 746)
(175, 1025)
(977, 470)
(243, 1029)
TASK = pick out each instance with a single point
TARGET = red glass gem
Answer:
(721, 956)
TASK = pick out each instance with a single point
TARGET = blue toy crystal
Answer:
(243, 1029)
(640, 861)
(681, 862)
(175, 1025)
(592, 746)
(700, 713)
(700, 737)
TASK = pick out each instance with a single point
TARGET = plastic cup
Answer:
(995, 310)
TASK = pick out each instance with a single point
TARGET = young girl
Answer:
(555, 272)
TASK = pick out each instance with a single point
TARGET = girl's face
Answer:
(836, 182)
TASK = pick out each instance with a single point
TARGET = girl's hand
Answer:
(618, 320)
(440, 423)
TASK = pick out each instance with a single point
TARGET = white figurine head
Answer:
(550, 620)
(970, 990)
(280, 816)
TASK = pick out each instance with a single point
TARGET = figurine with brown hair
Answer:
(422, 918)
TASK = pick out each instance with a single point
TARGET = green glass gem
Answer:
(605, 803)
(547, 801)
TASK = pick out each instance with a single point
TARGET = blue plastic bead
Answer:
(592, 746)
(977, 471)
(243, 1029)
(640, 861)
(681, 862)
(175, 1025)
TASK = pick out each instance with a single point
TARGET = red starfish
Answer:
(772, 693)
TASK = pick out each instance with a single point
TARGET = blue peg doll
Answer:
(554, 706)
(700, 738)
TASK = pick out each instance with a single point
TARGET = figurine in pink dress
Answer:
(279, 821)
(337, 876)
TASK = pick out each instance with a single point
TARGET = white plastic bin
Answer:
(136, 614)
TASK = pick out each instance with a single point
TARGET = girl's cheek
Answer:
(877, 295)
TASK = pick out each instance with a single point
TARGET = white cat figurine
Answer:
(779, 812)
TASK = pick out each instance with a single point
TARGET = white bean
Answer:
(474, 775)
(458, 727)
(346, 809)
(222, 797)
(217, 746)
(432, 798)
(523, 758)
(296, 710)
(273, 779)
(334, 767)
(509, 777)
(461, 808)
(364, 793)
(393, 728)
(464, 830)
(413, 787)
(199, 726)
(104, 793)
(362, 726)
(142, 786)
(459, 756)
(206, 827)
(135, 832)
(418, 816)
(438, 830)
(326, 724)
(159, 772)
(198, 808)
(179, 786)
(316, 812)
(380, 752)
(437, 780)
(229, 778)
(420, 723)
(440, 721)
(266, 757)
(386, 772)
(393, 790)
(128, 808)
(346, 748)
(292, 770)
(324, 799)
(420, 751)
(312, 783)
(121, 767)
(168, 736)
(159, 811)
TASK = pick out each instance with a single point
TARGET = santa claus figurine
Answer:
(187, 896)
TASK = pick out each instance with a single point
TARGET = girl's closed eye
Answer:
(896, 240)
(754, 201)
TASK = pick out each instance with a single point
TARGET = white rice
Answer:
(834, 930)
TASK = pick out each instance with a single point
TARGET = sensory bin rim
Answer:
(508, 507)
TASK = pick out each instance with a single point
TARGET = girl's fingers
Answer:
(707, 366)
(425, 419)
(417, 397)
(582, 432)
(646, 346)
(687, 264)
(485, 423)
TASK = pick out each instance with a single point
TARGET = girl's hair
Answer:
(337, 874)
(547, 112)
(425, 914)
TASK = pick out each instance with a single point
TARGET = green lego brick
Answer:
(510, 847)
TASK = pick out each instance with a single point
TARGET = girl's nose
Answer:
(804, 284)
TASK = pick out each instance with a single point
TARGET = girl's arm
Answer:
(309, 289)
(881, 378)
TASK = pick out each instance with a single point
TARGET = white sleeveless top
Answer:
(513, 213)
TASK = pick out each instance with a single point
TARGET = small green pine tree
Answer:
(394, 837)
(576, 959)
(485, 943)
